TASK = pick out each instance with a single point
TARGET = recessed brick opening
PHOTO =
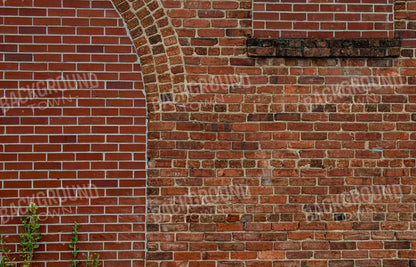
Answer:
(323, 19)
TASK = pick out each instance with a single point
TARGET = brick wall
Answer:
(73, 116)
(323, 19)
(324, 148)
(252, 161)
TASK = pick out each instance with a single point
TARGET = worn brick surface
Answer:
(303, 134)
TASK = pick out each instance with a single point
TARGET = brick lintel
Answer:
(315, 48)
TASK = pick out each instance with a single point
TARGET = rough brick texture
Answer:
(309, 48)
(324, 146)
(323, 19)
(252, 161)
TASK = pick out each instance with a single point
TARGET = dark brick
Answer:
(311, 80)
(341, 263)
(411, 80)
(245, 146)
(18, 57)
(159, 255)
(330, 108)
(62, 139)
(394, 99)
(218, 127)
(316, 163)
(339, 217)
(260, 117)
(273, 236)
(370, 108)
(342, 245)
(287, 117)
(220, 108)
(317, 108)
(397, 263)
(155, 39)
(242, 61)
(383, 107)
(397, 244)
(365, 226)
(239, 14)
(168, 97)
(90, 49)
(253, 42)
(376, 48)
(32, 30)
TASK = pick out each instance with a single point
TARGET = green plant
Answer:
(93, 261)
(73, 245)
(30, 236)
(5, 260)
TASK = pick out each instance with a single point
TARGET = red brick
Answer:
(255, 129)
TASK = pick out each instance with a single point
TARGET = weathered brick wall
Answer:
(323, 146)
(252, 161)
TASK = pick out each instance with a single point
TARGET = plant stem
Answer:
(73, 245)
(30, 236)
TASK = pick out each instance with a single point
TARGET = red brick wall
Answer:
(252, 161)
(299, 161)
(323, 19)
(58, 137)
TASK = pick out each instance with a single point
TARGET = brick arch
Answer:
(162, 63)
(158, 48)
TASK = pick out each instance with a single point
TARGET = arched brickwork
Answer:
(158, 47)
